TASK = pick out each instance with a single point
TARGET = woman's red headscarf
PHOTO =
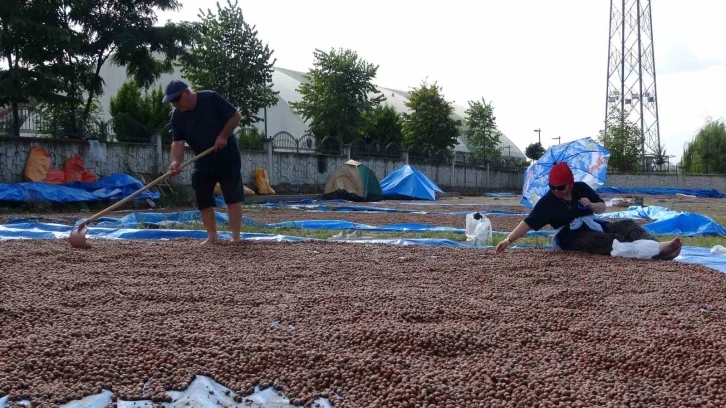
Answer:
(561, 174)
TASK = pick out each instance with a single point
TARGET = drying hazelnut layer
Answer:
(379, 325)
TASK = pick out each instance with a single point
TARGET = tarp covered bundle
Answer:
(668, 222)
(114, 187)
(353, 181)
(407, 182)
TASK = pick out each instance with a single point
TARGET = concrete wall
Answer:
(290, 172)
(672, 180)
(293, 172)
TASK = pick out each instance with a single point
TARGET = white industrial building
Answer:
(281, 117)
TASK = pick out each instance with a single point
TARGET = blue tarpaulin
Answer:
(667, 222)
(662, 191)
(114, 187)
(694, 255)
(407, 182)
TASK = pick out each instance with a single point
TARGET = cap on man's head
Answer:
(173, 90)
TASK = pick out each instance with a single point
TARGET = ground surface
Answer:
(379, 325)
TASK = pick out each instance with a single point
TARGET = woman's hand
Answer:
(502, 245)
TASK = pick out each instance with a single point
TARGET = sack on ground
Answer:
(73, 169)
(478, 229)
(55, 176)
(37, 165)
(262, 182)
(248, 191)
(641, 249)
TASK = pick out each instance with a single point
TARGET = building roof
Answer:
(286, 81)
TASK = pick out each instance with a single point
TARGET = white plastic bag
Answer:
(478, 229)
(641, 249)
(96, 151)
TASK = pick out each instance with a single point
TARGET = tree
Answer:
(29, 37)
(481, 130)
(534, 151)
(707, 152)
(227, 56)
(383, 124)
(624, 141)
(339, 92)
(56, 48)
(125, 32)
(430, 125)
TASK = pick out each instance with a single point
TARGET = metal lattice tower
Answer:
(631, 71)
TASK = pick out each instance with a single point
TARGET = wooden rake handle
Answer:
(146, 187)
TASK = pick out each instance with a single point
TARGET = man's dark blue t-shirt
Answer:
(558, 213)
(200, 127)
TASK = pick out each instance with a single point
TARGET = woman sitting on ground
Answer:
(569, 207)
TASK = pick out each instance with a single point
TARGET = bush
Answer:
(135, 117)
(250, 139)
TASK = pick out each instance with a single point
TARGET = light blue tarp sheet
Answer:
(668, 222)
(407, 182)
(114, 187)
(692, 255)
(185, 218)
(661, 191)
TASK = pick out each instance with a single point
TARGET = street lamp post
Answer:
(558, 138)
(539, 135)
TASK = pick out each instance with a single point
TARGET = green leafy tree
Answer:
(534, 151)
(60, 46)
(707, 152)
(481, 131)
(383, 124)
(127, 33)
(624, 141)
(430, 125)
(29, 37)
(339, 92)
(227, 56)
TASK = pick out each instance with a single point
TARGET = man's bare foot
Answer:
(209, 241)
(236, 240)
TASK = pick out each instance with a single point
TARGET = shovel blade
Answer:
(78, 237)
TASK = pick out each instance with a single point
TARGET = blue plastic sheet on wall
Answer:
(662, 191)
(694, 255)
(114, 187)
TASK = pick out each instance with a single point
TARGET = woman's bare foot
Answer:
(670, 250)
(209, 241)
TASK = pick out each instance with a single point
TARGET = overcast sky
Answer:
(543, 64)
